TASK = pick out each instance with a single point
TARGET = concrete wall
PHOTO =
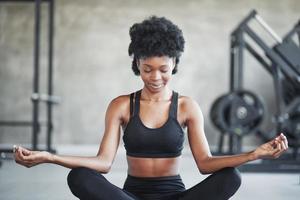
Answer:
(92, 65)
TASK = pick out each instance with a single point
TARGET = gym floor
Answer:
(48, 181)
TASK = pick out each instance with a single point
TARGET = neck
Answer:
(163, 95)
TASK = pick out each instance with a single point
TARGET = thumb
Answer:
(24, 151)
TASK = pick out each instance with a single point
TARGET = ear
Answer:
(137, 61)
(174, 63)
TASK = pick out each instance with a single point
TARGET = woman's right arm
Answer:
(101, 162)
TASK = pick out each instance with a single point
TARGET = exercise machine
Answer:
(241, 112)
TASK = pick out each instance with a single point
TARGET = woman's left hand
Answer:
(272, 149)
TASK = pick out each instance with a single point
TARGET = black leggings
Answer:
(87, 184)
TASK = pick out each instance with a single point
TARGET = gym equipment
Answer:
(237, 113)
(291, 122)
(282, 62)
(49, 99)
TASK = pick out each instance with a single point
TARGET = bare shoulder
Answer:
(187, 103)
(120, 103)
(120, 107)
(120, 100)
(189, 110)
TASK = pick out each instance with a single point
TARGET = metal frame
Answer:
(37, 97)
(279, 69)
(279, 66)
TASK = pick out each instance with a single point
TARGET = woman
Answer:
(153, 119)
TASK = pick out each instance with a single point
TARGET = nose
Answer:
(155, 75)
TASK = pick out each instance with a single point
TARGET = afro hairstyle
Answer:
(155, 36)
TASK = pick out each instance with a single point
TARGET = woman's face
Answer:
(156, 71)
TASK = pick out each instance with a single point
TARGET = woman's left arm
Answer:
(199, 146)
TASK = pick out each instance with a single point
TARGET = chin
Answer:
(155, 90)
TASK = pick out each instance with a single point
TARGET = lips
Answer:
(155, 86)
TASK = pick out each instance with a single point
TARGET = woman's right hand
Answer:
(29, 158)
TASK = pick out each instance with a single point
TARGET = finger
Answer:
(273, 143)
(21, 155)
(25, 151)
(16, 157)
(284, 147)
(279, 146)
(26, 161)
(20, 149)
(277, 154)
(275, 148)
(29, 157)
(282, 135)
(15, 153)
(15, 147)
(284, 139)
(21, 159)
(21, 162)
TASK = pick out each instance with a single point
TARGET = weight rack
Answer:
(49, 99)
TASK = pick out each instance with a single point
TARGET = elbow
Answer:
(106, 168)
(204, 167)
(204, 171)
(104, 171)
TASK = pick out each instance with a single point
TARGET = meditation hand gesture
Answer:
(272, 149)
(29, 158)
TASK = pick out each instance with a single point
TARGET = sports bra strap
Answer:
(137, 102)
(174, 105)
(131, 104)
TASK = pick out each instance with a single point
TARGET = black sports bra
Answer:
(162, 142)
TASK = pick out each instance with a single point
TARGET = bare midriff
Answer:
(153, 167)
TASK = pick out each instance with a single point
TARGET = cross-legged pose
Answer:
(153, 120)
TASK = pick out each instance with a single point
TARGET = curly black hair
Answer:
(155, 36)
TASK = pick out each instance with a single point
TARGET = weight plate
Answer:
(239, 112)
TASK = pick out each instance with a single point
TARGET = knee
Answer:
(82, 182)
(231, 176)
(77, 176)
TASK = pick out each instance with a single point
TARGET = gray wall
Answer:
(92, 65)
